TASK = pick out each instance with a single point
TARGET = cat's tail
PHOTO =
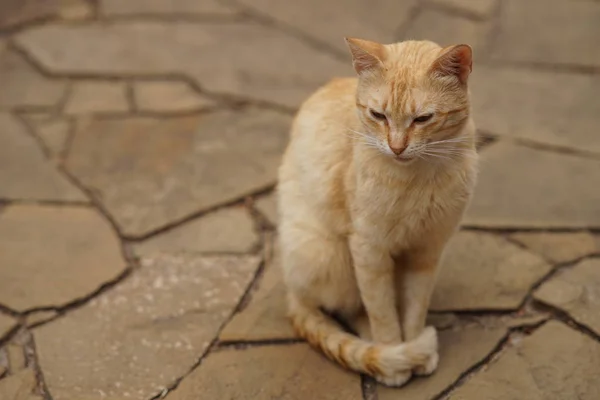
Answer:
(389, 364)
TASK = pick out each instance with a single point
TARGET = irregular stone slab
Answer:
(53, 255)
(54, 132)
(478, 8)
(554, 108)
(161, 7)
(265, 317)
(294, 372)
(267, 206)
(556, 191)
(143, 334)
(25, 174)
(499, 274)
(16, 358)
(460, 350)
(448, 30)
(576, 291)
(157, 96)
(229, 230)
(7, 324)
(19, 387)
(245, 59)
(22, 85)
(149, 172)
(97, 97)
(528, 32)
(554, 363)
(356, 18)
(558, 247)
(39, 317)
(17, 12)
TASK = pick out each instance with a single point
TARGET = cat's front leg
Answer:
(374, 268)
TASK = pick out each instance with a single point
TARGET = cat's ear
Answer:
(455, 61)
(366, 55)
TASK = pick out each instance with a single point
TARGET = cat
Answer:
(377, 174)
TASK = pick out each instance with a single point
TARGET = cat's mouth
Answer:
(404, 160)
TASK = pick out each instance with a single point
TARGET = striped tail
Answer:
(391, 365)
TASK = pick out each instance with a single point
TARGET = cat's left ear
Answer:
(455, 61)
(366, 55)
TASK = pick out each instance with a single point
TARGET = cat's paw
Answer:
(429, 366)
(396, 380)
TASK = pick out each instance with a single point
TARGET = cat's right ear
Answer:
(366, 55)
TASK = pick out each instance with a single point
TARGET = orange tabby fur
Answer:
(368, 197)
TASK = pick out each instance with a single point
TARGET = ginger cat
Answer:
(377, 174)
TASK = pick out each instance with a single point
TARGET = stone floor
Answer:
(140, 140)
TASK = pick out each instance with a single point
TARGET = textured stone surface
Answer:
(267, 206)
(479, 8)
(19, 387)
(16, 358)
(448, 30)
(555, 192)
(237, 58)
(51, 255)
(39, 317)
(228, 230)
(22, 85)
(97, 97)
(484, 271)
(144, 333)
(162, 7)
(16, 12)
(54, 132)
(547, 107)
(528, 32)
(558, 247)
(6, 324)
(576, 291)
(356, 18)
(460, 350)
(169, 96)
(554, 363)
(150, 172)
(264, 317)
(295, 372)
(25, 174)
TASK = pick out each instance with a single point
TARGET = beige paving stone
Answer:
(267, 206)
(54, 132)
(6, 325)
(356, 18)
(460, 349)
(19, 387)
(575, 290)
(22, 85)
(554, 363)
(161, 7)
(16, 358)
(294, 372)
(150, 172)
(25, 174)
(554, 108)
(521, 187)
(169, 96)
(264, 317)
(484, 271)
(97, 97)
(139, 337)
(479, 8)
(244, 58)
(448, 30)
(229, 230)
(529, 32)
(558, 247)
(17, 12)
(53, 255)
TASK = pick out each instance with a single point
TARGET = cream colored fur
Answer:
(367, 204)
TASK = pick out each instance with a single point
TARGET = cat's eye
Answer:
(377, 115)
(423, 118)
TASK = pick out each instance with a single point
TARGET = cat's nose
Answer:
(398, 150)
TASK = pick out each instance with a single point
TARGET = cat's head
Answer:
(412, 96)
